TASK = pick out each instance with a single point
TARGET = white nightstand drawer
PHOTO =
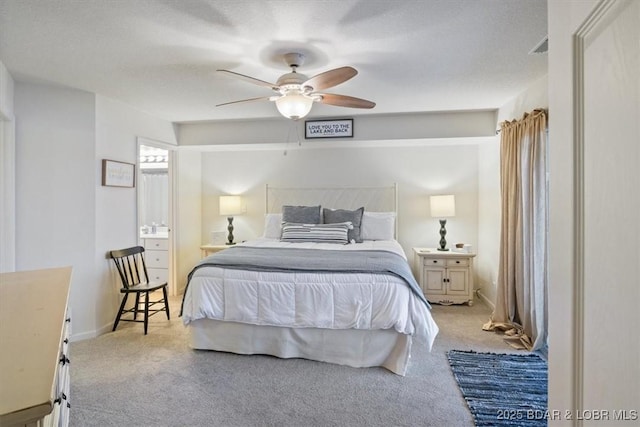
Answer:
(434, 262)
(157, 244)
(158, 274)
(457, 263)
(157, 259)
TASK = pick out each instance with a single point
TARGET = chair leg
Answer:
(124, 301)
(146, 311)
(135, 312)
(166, 302)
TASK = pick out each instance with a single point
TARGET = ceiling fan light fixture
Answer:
(294, 105)
(296, 93)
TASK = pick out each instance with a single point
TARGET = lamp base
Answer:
(230, 229)
(443, 232)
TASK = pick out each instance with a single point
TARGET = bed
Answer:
(353, 304)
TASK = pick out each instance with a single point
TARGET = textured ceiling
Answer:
(160, 56)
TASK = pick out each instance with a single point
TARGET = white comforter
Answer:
(303, 299)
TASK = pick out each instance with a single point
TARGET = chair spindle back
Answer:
(131, 266)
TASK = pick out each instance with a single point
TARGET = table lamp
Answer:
(443, 207)
(229, 206)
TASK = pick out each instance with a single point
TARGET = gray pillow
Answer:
(332, 216)
(302, 214)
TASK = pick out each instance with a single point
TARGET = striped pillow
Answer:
(319, 233)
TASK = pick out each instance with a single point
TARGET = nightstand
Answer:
(446, 277)
(206, 250)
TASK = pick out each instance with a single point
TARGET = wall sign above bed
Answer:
(328, 128)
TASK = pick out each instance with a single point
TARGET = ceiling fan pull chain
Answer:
(286, 148)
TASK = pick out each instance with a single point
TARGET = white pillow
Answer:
(378, 225)
(272, 225)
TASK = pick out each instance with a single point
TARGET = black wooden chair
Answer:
(135, 280)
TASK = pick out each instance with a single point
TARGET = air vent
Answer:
(541, 47)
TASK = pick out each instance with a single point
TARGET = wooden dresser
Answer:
(34, 336)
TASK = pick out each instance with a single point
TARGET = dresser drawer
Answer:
(156, 244)
(157, 259)
(158, 274)
(457, 263)
(434, 262)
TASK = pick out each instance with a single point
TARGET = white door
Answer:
(458, 281)
(435, 281)
(594, 288)
(610, 209)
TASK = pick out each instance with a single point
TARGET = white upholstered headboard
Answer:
(374, 199)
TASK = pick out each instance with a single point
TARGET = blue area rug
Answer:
(502, 389)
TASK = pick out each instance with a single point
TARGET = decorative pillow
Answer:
(378, 226)
(302, 214)
(272, 225)
(319, 233)
(332, 216)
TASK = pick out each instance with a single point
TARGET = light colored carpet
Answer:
(126, 378)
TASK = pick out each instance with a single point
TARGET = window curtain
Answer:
(521, 306)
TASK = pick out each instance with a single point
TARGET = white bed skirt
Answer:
(351, 347)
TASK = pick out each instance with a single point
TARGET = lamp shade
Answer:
(230, 205)
(294, 105)
(443, 206)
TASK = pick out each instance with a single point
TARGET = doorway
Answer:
(155, 208)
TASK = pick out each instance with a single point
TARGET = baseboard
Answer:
(91, 334)
(485, 299)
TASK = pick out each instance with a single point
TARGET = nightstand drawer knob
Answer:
(457, 262)
(435, 261)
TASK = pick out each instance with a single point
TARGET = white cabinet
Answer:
(157, 259)
(445, 277)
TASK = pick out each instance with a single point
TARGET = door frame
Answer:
(171, 166)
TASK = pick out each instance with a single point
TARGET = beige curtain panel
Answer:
(521, 308)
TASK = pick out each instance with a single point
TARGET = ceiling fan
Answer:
(296, 92)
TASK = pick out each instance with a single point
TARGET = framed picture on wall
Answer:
(118, 174)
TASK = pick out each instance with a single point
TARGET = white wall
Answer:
(419, 171)
(55, 188)
(64, 215)
(118, 127)
(7, 173)
(489, 215)
(489, 199)
(188, 218)
(366, 128)
(6, 93)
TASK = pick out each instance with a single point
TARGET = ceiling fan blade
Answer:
(262, 98)
(330, 78)
(345, 101)
(249, 79)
